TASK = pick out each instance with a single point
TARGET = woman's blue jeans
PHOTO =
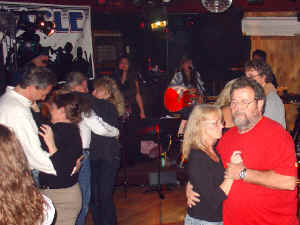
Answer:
(193, 221)
(84, 180)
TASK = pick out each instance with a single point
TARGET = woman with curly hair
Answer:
(20, 201)
(105, 160)
(64, 144)
(108, 88)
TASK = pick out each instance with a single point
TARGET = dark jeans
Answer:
(103, 181)
(84, 180)
(35, 176)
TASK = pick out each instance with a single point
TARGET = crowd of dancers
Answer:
(61, 147)
(71, 139)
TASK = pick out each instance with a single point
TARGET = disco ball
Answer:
(216, 6)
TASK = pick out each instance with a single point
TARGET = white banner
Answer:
(69, 48)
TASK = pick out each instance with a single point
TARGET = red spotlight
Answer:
(101, 2)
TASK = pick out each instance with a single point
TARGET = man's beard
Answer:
(243, 122)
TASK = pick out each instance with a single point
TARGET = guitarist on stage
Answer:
(184, 91)
(186, 78)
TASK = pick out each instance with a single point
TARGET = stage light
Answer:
(101, 2)
(159, 25)
(157, 18)
(216, 6)
(47, 27)
(142, 25)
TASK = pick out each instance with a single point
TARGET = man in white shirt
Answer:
(15, 112)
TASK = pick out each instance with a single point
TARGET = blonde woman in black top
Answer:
(105, 152)
(205, 169)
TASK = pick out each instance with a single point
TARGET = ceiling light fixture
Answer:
(216, 6)
(166, 1)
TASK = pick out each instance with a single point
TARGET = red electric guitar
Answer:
(178, 97)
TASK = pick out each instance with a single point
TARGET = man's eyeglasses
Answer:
(241, 104)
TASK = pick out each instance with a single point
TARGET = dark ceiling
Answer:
(176, 6)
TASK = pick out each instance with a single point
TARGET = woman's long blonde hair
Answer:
(195, 132)
(116, 98)
(224, 97)
(20, 201)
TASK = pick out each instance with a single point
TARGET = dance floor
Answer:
(143, 206)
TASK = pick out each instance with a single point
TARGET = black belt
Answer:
(45, 186)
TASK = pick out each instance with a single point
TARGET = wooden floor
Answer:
(143, 207)
(146, 208)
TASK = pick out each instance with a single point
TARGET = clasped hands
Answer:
(232, 172)
(234, 167)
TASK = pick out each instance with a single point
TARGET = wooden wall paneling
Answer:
(284, 57)
(283, 54)
(270, 13)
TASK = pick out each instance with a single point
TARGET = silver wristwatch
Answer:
(243, 173)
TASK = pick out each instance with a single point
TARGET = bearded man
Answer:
(264, 189)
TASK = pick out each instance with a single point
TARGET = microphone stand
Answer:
(160, 194)
(158, 187)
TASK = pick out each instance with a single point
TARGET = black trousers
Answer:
(130, 140)
(103, 180)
